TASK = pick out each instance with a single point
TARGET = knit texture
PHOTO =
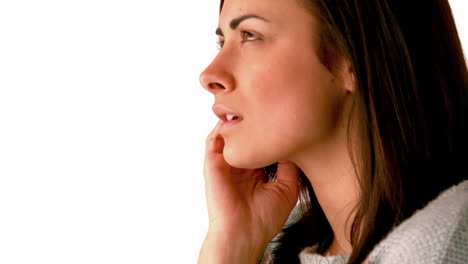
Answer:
(438, 233)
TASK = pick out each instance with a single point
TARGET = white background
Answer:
(102, 129)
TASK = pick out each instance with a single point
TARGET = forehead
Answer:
(272, 10)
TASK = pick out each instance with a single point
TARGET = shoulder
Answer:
(438, 233)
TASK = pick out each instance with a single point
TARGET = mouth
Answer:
(227, 115)
(231, 118)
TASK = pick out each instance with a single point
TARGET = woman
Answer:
(357, 107)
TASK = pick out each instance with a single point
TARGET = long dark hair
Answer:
(412, 103)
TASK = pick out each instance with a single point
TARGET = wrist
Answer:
(230, 248)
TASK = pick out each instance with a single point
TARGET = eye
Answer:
(248, 36)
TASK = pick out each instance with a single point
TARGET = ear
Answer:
(348, 78)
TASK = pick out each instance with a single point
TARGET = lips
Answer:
(226, 114)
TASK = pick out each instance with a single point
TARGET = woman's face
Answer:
(268, 74)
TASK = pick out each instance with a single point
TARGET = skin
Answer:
(294, 112)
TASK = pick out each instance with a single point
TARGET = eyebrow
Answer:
(236, 21)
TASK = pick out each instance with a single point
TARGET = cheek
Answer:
(291, 105)
(295, 104)
(293, 91)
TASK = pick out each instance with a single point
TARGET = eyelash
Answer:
(244, 33)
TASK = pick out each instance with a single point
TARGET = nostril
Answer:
(215, 86)
(215, 80)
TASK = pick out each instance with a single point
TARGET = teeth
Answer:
(230, 117)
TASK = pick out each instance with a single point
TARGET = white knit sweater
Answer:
(438, 233)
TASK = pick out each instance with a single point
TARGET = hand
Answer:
(245, 210)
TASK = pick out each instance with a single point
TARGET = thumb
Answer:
(288, 174)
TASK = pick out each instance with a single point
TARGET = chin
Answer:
(245, 158)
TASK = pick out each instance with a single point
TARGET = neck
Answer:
(332, 175)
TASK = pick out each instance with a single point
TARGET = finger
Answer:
(213, 143)
(214, 159)
(215, 130)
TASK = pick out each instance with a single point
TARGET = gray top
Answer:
(438, 233)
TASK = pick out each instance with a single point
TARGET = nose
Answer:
(217, 78)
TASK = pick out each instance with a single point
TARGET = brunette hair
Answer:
(412, 102)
